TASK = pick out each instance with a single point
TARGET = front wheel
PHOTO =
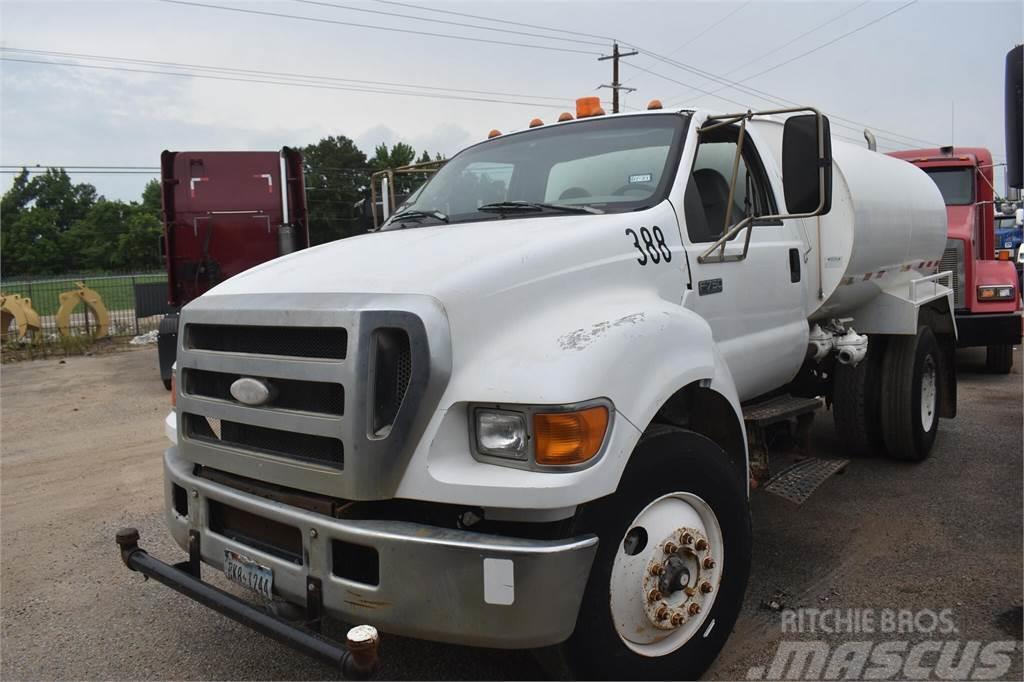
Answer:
(671, 569)
(910, 395)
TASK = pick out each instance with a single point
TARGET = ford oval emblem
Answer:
(251, 391)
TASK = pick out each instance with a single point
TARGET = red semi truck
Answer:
(987, 300)
(223, 213)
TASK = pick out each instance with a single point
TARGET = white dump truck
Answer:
(525, 412)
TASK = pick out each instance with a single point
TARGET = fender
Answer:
(637, 353)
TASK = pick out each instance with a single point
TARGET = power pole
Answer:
(616, 85)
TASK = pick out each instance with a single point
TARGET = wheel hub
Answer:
(678, 583)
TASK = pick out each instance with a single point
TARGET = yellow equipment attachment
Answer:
(19, 309)
(69, 300)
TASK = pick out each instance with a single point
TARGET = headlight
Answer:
(999, 292)
(501, 433)
(541, 436)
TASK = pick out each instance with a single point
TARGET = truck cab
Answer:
(986, 289)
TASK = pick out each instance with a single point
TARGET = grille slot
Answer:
(289, 394)
(304, 446)
(392, 372)
(953, 260)
(302, 342)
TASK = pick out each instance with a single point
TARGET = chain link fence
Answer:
(133, 304)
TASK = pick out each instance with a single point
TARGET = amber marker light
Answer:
(565, 438)
(564, 116)
(588, 106)
(654, 104)
(494, 133)
(174, 388)
(536, 122)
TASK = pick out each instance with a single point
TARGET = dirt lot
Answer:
(81, 444)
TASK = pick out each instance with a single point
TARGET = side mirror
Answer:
(1014, 125)
(807, 164)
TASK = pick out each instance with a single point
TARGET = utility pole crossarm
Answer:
(615, 84)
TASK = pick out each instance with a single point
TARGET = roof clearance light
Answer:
(654, 104)
(493, 133)
(564, 116)
(536, 122)
(588, 106)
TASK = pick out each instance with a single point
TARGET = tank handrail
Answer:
(915, 283)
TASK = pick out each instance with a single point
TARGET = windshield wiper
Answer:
(416, 215)
(524, 206)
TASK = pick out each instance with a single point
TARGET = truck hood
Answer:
(454, 262)
(960, 221)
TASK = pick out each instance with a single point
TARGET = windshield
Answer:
(956, 184)
(603, 165)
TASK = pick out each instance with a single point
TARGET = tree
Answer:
(401, 154)
(337, 177)
(151, 199)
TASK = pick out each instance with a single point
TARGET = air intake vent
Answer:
(953, 260)
(304, 446)
(392, 369)
(303, 342)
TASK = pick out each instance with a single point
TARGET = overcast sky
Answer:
(904, 74)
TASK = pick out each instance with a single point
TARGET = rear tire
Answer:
(856, 396)
(999, 359)
(668, 464)
(910, 395)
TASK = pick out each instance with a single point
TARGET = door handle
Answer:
(794, 265)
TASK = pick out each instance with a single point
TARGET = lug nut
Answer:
(657, 569)
(694, 609)
(706, 587)
(701, 545)
(677, 619)
(670, 548)
(687, 538)
(654, 595)
(689, 591)
(662, 613)
(709, 562)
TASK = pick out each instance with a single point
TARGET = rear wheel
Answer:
(672, 566)
(999, 359)
(856, 396)
(910, 395)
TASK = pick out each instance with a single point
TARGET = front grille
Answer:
(303, 342)
(953, 261)
(288, 394)
(304, 446)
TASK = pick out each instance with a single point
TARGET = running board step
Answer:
(779, 409)
(796, 483)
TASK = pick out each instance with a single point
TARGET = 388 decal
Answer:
(651, 245)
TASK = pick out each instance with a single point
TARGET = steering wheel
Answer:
(642, 187)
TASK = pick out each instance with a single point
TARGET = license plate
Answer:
(247, 573)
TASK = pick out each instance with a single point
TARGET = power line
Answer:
(701, 33)
(793, 40)
(335, 5)
(225, 69)
(497, 21)
(208, 76)
(321, 20)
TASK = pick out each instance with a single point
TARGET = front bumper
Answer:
(988, 329)
(434, 583)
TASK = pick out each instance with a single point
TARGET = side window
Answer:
(706, 201)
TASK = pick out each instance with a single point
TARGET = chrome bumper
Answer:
(434, 583)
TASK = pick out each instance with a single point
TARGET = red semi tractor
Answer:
(224, 212)
(988, 303)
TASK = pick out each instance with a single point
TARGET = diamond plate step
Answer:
(796, 483)
(779, 409)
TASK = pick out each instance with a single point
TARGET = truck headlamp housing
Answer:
(540, 437)
(501, 433)
(998, 292)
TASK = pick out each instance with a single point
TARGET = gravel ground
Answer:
(81, 443)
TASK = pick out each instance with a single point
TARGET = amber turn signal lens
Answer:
(569, 437)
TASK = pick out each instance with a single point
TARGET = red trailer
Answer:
(224, 212)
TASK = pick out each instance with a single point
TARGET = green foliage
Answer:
(336, 176)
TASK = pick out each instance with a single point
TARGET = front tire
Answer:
(910, 395)
(677, 483)
(999, 359)
(856, 398)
